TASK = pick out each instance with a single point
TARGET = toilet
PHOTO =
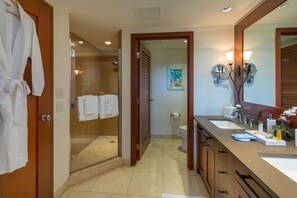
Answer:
(183, 133)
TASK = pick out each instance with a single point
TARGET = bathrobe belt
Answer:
(18, 89)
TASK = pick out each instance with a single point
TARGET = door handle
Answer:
(46, 117)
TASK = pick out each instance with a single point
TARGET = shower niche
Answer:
(94, 111)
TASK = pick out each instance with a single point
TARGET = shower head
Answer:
(115, 62)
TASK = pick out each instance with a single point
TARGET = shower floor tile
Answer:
(101, 149)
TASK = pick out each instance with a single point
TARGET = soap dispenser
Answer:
(270, 123)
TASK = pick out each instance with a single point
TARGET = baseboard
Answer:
(95, 170)
(166, 136)
(61, 190)
(126, 162)
(88, 173)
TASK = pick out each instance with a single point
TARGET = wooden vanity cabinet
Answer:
(206, 161)
(223, 174)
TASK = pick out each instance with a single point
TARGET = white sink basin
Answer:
(225, 124)
(286, 164)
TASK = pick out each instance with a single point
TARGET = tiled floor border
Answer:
(90, 172)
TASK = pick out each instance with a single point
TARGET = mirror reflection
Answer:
(260, 39)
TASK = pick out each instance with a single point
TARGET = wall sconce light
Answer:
(246, 56)
(249, 70)
(78, 70)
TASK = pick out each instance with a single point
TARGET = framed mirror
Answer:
(261, 32)
(273, 32)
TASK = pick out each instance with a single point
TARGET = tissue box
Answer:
(228, 110)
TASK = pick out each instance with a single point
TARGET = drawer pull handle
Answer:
(223, 191)
(222, 151)
(222, 172)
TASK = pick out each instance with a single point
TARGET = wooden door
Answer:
(36, 178)
(144, 95)
(289, 76)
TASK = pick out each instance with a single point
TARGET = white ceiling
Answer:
(99, 20)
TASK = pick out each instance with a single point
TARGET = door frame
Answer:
(135, 38)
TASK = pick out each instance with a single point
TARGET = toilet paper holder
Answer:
(175, 115)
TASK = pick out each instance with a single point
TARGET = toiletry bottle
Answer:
(270, 123)
(260, 126)
(278, 135)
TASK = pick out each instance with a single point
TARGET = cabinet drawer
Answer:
(223, 155)
(238, 191)
(252, 187)
(224, 173)
(210, 141)
(224, 168)
(222, 190)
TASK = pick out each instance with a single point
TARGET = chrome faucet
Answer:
(242, 115)
(251, 122)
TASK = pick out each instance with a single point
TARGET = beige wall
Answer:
(170, 101)
(61, 104)
(211, 43)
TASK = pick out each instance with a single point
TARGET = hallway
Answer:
(162, 169)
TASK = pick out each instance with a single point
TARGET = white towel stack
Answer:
(87, 108)
(108, 106)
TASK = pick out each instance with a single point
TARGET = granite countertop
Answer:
(274, 181)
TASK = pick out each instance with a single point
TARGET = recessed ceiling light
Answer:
(282, 6)
(80, 42)
(185, 41)
(107, 42)
(226, 9)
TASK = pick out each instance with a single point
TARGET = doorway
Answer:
(135, 85)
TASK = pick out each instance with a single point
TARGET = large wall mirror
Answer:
(270, 32)
(261, 38)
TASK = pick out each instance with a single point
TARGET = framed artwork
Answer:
(175, 79)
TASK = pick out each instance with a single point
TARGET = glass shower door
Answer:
(95, 74)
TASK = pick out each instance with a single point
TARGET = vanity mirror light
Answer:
(219, 73)
(267, 30)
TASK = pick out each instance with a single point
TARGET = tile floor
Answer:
(162, 169)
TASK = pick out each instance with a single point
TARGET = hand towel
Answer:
(108, 105)
(243, 137)
(90, 104)
(81, 112)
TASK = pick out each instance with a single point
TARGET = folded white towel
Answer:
(81, 110)
(108, 105)
(90, 104)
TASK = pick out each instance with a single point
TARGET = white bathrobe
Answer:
(18, 42)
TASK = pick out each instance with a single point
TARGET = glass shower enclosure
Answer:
(95, 73)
